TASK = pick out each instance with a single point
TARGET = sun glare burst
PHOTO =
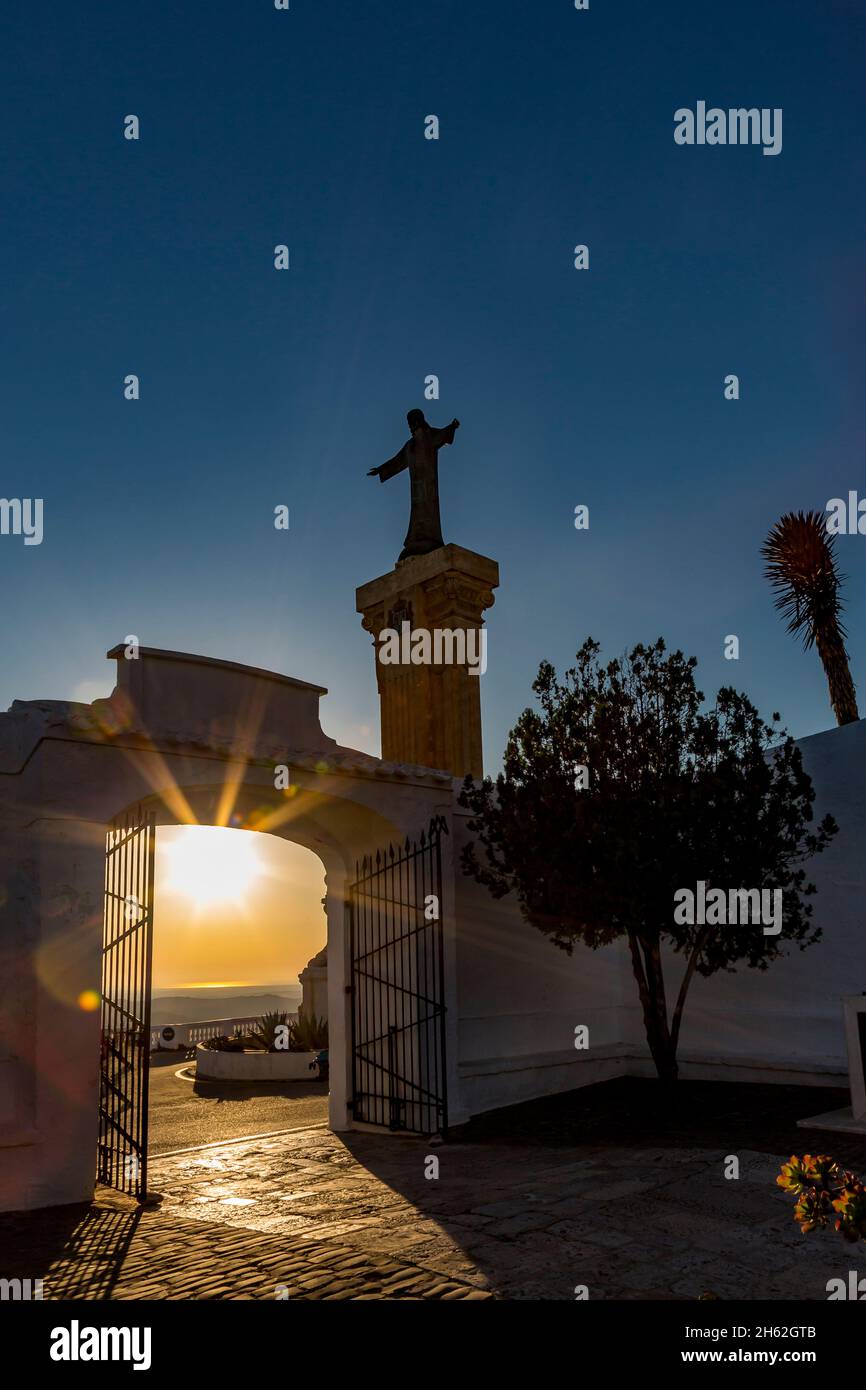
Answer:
(211, 865)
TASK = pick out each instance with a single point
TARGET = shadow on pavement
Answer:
(78, 1251)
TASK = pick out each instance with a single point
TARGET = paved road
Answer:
(184, 1112)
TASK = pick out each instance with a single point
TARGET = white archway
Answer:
(193, 740)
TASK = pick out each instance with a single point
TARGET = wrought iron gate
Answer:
(126, 975)
(398, 987)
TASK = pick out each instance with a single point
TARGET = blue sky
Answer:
(411, 257)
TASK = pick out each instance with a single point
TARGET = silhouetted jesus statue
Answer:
(420, 455)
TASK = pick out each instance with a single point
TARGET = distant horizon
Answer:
(267, 986)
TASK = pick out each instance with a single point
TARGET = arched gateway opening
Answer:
(206, 932)
(388, 1039)
(384, 903)
(195, 904)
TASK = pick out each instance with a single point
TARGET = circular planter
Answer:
(254, 1066)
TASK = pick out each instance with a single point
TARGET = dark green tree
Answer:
(676, 792)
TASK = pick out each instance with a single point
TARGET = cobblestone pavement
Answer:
(316, 1215)
(113, 1250)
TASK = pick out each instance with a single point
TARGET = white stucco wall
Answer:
(789, 1019)
(520, 1000)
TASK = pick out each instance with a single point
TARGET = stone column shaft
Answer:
(431, 712)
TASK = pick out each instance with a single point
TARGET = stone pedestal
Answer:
(431, 709)
(313, 980)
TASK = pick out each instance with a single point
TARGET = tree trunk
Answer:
(647, 967)
(684, 987)
(834, 658)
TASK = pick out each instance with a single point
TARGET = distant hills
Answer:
(233, 1002)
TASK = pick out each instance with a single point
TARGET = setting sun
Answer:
(234, 907)
(212, 865)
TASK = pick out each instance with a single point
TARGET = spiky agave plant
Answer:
(270, 1030)
(801, 567)
(309, 1034)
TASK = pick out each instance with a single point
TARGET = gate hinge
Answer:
(348, 989)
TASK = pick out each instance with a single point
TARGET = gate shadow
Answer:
(435, 1223)
(77, 1251)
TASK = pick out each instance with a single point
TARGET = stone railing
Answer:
(188, 1034)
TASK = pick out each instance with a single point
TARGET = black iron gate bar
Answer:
(400, 990)
(126, 982)
(397, 986)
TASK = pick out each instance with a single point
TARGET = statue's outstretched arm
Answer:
(391, 468)
(445, 435)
